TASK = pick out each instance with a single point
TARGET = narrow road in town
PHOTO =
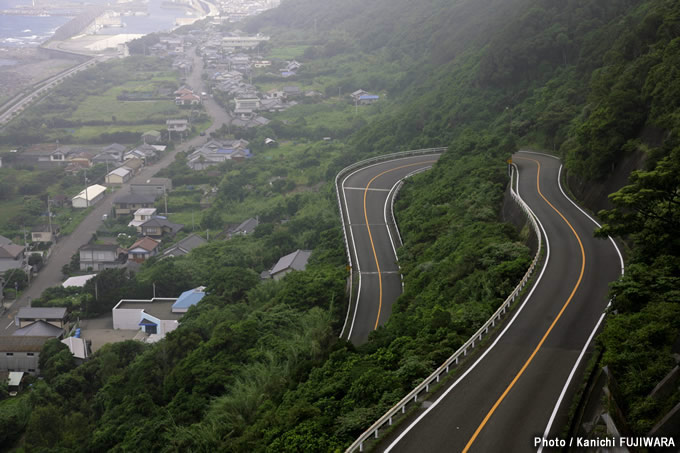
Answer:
(371, 233)
(511, 394)
(51, 275)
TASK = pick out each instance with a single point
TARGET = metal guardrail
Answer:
(343, 172)
(424, 387)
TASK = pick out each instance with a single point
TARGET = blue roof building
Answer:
(188, 299)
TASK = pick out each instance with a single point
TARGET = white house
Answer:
(141, 216)
(155, 317)
(89, 197)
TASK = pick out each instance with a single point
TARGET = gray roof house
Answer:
(100, 257)
(156, 227)
(129, 203)
(21, 353)
(39, 328)
(185, 246)
(246, 227)
(55, 316)
(11, 257)
(296, 261)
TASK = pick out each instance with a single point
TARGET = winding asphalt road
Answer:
(509, 395)
(371, 233)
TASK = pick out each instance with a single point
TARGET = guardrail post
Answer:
(427, 388)
(438, 378)
(403, 409)
(390, 421)
(415, 398)
(376, 433)
(361, 446)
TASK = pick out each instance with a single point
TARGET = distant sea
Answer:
(34, 30)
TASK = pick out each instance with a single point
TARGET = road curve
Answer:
(509, 395)
(367, 194)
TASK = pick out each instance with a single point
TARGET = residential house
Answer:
(158, 226)
(155, 317)
(79, 347)
(77, 281)
(39, 328)
(101, 256)
(261, 63)
(367, 99)
(244, 228)
(273, 105)
(275, 93)
(143, 249)
(246, 105)
(39, 155)
(120, 175)
(81, 158)
(55, 316)
(243, 42)
(115, 149)
(296, 261)
(152, 186)
(179, 126)
(146, 153)
(21, 353)
(89, 197)
(131, 202)
(256, 121)
(292, 91)
(14, 382)
(188, 99)
(203, 158)
(44, 233)
(357, 94)
(184, 246)
(11, 257)
(135, 164)
(183, 90)
(151, 137)
(109, 159)
(141, 216)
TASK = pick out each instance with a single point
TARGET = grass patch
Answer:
(287, 52)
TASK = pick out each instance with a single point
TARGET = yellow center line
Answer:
(370, 236)
(557, 318)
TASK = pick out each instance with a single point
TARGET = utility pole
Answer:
(87, 199)
(49, 215)
(26, 255)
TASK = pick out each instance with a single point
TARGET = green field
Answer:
(287, 52)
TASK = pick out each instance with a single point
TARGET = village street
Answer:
(51, 274)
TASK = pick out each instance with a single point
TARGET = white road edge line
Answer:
(354, 246)
(553, 415)
(474, 365)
